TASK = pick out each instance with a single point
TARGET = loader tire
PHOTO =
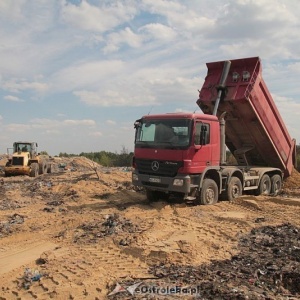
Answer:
(49, 169)
(42, 168)
(34, 172)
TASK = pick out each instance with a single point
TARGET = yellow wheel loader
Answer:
(26, 161)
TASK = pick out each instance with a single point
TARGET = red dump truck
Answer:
(184, 154)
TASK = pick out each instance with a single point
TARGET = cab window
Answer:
(202, 134)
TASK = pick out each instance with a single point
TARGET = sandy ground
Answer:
(70, 235)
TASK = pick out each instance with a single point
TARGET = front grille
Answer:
(17, 161)
(166, 168)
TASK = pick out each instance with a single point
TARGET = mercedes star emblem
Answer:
(155, 165)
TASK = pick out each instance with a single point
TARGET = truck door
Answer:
(202, 138)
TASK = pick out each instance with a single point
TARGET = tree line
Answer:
(106, 159)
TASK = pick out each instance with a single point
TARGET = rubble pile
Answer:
(268, 266)
(81, 163)
(9, 226)
(6, 204)
(111, 225)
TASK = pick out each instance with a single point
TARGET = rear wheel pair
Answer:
(269, 186)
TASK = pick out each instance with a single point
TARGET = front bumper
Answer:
(178, 184)
(13, 170)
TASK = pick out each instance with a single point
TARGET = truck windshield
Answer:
(164, 133)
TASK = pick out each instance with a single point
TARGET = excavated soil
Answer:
(83, 232)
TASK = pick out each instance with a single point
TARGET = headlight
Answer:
(135, 177)
(178, 182)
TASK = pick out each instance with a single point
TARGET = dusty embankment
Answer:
(71, 235)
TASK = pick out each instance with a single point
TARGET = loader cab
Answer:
(19, 147)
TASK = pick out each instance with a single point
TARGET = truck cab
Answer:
(173, 150)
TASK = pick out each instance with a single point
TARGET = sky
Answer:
(76, 74)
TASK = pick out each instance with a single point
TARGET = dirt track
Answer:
(80, 236)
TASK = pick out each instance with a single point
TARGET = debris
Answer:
(29, 277)
(48, 209)
(268, 263)
(112, 225)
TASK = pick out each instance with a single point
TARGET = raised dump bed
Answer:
(255, 131)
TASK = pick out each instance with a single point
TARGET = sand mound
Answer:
(293, 181)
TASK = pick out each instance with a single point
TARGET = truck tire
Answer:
(234, 188)
(34, 172)
(152, 196)
(209, 192)
(276, 184)
(42, 168)
(264, 187)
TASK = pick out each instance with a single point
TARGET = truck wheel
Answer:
(264, 187)
(34, 172)
(42, 168)
(276, 184)
(234, 189)
(209, 192)
(152, 196)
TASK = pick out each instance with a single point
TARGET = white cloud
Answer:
(15, 127)
(111, 122)
(113, 98)
(266, 28)
(159, 31)
(12, 9)
(85, 74)
(52, 124)
(95, 133)
(126, 36)
(61, 115)
(15, 85)
(13, 98)
(52, 131)
(48, 124)
(80, 122)
(180, 16)
(100, 18)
